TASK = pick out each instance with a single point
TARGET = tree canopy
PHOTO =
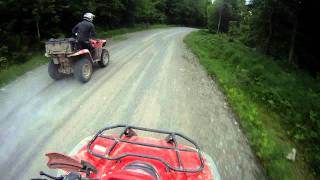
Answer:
(283, 29)
(30, 21)
(280, 28)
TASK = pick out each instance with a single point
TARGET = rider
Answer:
(84, 30)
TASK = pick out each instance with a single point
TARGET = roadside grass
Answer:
(15, 70)
(272, 102)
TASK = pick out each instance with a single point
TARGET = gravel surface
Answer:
(152, 81)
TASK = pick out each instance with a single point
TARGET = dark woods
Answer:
(284, 29)
(24, 24)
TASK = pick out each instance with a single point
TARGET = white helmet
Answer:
(88, 16)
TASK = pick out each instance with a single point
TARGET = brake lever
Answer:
(51, 177)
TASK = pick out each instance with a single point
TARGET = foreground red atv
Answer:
(67, 58)
(109, 156)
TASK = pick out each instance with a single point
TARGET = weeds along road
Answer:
(151, 81)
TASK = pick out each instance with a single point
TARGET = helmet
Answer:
(88, 16)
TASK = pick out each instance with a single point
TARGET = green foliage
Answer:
(213, 18)
(14, 71)
(26, 24)
(276, 104)
(220, 13)
(234, 30)
(186, 12)
(282, 29)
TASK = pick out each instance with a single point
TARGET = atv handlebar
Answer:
(70, 176)
(49, 176)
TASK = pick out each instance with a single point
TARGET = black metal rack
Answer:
(128, 132)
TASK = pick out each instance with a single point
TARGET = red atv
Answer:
(67, 58)
(125, 155)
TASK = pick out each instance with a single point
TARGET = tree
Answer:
(186, 12)
(220, 13)
(29, 21)
(109, 14)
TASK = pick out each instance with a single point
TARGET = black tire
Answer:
(105, 58)
(53, 71)
(83, 70)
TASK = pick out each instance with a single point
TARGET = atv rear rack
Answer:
(128, 132)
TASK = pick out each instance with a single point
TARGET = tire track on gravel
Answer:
(25, 147)
(151, 81)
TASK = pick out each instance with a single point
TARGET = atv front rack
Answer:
(128, 132)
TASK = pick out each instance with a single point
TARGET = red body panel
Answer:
(111, 169)
(83, 51)
(97, 43)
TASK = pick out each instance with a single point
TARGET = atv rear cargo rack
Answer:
(128, 132)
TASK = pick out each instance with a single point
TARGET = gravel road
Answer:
(152, 81)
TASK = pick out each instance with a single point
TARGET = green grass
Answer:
(277, 105)
(15, 70)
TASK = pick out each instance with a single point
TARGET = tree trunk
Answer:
(267, 46)
(293, 41)
(38, 30)
(219, 23)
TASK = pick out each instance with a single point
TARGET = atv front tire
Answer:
(83, 70)
(105, 58)
(53, 71)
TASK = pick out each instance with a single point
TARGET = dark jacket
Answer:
(85, 30)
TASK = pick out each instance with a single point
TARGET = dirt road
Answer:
(151, 81)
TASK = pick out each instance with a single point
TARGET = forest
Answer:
(33, 21)
(264, 56)
(283, 30)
